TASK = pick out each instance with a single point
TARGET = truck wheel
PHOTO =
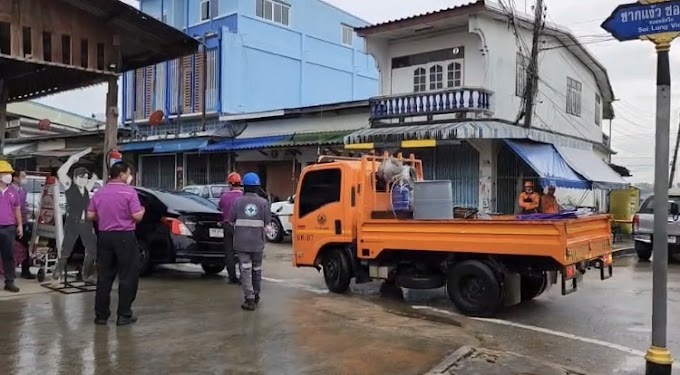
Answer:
(276, 233)
(336, 270)
(533, 286)
(643, 250)
(474, 289)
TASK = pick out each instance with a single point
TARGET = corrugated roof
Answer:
(313, 139)
(363, 29)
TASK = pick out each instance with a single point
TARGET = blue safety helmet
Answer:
(251, 179)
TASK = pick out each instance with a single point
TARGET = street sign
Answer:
(637, 20)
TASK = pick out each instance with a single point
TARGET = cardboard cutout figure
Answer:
(77, 191)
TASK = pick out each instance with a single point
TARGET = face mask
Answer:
(7, 179)
(128, 180)
(81, 181)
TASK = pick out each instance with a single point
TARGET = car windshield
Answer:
(648, 206)
(34, 185)
(185, 201)
(216, 190)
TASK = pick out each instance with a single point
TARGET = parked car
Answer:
(643, 227)
(281, 213)
(211, 192)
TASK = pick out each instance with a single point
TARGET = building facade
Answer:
(452, 85)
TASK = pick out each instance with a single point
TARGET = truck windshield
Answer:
(648, 206)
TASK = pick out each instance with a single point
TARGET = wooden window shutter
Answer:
(148, 91)
(199, 90)
(139, 94)
(186, 84)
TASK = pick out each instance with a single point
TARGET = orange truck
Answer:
(343, 223)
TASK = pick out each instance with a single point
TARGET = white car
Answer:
(281, 214)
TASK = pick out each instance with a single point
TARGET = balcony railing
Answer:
(458, 100)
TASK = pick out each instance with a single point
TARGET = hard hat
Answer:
(528, 184)
(251, 179)
(6, 167)
(234, 178)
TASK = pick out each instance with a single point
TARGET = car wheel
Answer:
(145, 266)
(336, 270)
(474, 289)
(275, 233)
(212, 268)
(643, 250)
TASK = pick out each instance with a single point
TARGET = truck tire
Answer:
(643, 250)
(336, 270)
(474, 289)
(533, 286)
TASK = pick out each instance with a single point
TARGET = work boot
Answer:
(126, 320)
(235, 280)
(249, 305)
(10, 287)
(257, 299)
(100, 321)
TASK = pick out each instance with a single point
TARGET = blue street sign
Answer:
(635, 20)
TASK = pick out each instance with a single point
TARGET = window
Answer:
(522, 65)
(84, 61)
(217, 190)
(101, 57)
(436, 77)
(205, 10)
(574, 89)
(598, 109)
(273, 11)
(419, 80)
(47, 46)
(66, 49)
(27, 41)
(347, 35)
(318, 189)
(648, 206)
(454, 75)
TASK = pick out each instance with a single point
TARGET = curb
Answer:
(443, 367)
(617, 253)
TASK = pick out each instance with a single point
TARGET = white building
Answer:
(452, 85)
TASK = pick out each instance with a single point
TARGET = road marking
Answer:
(296, 285)
(565, 335)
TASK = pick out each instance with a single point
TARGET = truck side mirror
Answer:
(675, 209)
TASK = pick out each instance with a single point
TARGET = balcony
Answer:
(457, 101)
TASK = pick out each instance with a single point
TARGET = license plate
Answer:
(671, 239)
(217, 232)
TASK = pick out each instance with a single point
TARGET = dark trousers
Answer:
(8, 233)
(72, 230)
(26, 241)
(229, 253)
(117, 254)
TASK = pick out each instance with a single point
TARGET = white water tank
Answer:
(432, 200)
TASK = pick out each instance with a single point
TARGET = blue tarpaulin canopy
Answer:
(245, 143)
(137, 146)
(179, 145)
(551, 168)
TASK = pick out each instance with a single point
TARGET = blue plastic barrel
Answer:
(401, 198)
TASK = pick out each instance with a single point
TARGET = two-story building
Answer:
(452, 91)
(257, 56)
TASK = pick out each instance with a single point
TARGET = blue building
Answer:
(259, 56)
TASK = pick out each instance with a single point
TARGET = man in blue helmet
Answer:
(251, 216)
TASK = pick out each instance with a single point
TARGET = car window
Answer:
(183, 201)
(205, 193)
(648, 206)
(34, 185)
(318, 189)
(217, 190)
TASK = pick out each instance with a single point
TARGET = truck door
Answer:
(321, 213)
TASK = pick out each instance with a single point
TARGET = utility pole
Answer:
(532, 71)
(675, 159)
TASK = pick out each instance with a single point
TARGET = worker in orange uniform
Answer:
(529, 200)
(549, 203)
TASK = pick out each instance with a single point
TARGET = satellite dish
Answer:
(44, 125)
(156, 117)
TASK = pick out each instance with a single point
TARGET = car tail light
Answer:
(636, 223)
(177, 227)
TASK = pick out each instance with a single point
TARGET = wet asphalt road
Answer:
(191, 324)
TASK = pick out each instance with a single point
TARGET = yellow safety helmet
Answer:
(6, 167)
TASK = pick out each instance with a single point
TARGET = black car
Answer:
(178, 228)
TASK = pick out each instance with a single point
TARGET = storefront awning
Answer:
(137, 146)
(314, 139)
(179, 145)
(551, 168)
(593, 168)
(244, 144)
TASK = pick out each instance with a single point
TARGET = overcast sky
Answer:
(631, 67)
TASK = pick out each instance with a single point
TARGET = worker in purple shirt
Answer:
(11, 224)
(18, 183)
(116, 209)
(227, 199)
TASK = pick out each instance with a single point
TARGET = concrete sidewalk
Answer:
(474, 361)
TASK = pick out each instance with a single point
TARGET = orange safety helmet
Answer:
(234, 179)
(528, 184)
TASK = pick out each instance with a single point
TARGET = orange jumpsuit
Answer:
(529, 202)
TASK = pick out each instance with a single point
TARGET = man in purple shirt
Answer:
(18, 183)
(11, 225)
(227, 199)
(116, 209)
